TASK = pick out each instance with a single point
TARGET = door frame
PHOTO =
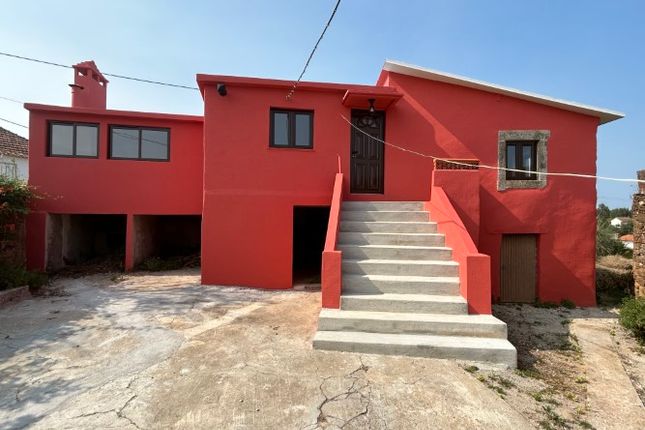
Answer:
(381, 190)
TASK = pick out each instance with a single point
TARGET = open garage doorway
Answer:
(309, 231)
(165, 242)
(82, 240)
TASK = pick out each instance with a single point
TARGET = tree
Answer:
(620, 212)
(603, 212)
(606, 242)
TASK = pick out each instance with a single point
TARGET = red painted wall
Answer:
(453, 121)
(105, 186)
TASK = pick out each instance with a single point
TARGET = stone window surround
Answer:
(539, 136)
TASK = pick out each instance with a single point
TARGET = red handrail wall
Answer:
(331, 277)
(474, 267)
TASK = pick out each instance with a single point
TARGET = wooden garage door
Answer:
(518, 268)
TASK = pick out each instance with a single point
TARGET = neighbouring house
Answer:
(627, 240)
(620, 221)
(338, 182)
(13, 155)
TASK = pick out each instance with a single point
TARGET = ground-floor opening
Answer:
(84, 239)
(165, 242)
(309, 231)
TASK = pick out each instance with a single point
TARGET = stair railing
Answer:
(331, 273)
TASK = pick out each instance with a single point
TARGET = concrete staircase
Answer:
(401, 292)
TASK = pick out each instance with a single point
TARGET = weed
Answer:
(504, 382)
(537, 396)
(585, 424)
(528, 373)
(565, 322)
(566, 303)
(545, 305)
(581, 380)
(471, 369)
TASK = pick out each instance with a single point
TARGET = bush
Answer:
(632, 316)
(12, 276)
(606, 241)
(613, 284)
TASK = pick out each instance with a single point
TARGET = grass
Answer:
(581, 380)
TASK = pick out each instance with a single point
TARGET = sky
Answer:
(591, 52)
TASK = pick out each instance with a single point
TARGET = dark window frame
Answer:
(140, 130)
(74, 125)
(291, 127)
(519, 160)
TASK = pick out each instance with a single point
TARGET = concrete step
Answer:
(414, 303)
(409, 323)
(384, 284)
(382, 206)
(395, 252)
(399, 216)
(363, 238)
(388, 227)
(401, 267)
(492, 351)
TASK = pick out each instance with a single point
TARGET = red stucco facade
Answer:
(221, 166)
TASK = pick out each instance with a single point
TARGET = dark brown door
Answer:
(518, 268)
(366, 168)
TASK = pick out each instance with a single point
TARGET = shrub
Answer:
(613, 284)
(566, 303)
(606, 241)
(12, 276)
(632, 316)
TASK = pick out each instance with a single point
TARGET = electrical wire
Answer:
(304, 69)
(113, 75)
(485, 166)
(14, 123)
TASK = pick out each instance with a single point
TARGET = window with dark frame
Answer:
(291, 129)
(139, 143)
(73, 139)
(521, 155)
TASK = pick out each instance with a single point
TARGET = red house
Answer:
(426, 195)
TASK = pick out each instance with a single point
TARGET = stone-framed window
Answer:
(523, 150)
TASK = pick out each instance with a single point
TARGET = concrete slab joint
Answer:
(539, 136)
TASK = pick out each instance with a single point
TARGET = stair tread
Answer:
(410, 316)
(388, 211)
(415, 340)
(435, 298)
(420, 262)
(371, 246)
(389, 222)
(404, 278)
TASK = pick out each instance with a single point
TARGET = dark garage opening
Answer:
(164, 242)
(81, 240)
(309, 231)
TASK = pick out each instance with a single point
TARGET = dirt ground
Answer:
(160, 351)
(157, 350)
(577, 368)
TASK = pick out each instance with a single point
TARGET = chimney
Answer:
(89, 89)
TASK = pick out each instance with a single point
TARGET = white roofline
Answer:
(604, 115)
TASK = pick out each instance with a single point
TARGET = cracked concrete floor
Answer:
(161, 351)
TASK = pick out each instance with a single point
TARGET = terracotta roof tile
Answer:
(12, 145)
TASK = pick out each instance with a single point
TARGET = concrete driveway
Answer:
(161, 351)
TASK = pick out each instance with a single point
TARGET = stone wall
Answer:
(638, 215)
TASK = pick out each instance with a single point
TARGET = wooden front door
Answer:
(518, 268)
(366, 168)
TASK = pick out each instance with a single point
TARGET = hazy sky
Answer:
(592, 52)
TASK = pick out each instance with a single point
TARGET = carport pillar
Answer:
(130, 241)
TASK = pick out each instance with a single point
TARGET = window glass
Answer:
(281, 129)
(154, 144)
(510, 156)
(86, 140)
(527, 155)
(303, 129)
(125, 143)
(62, 139)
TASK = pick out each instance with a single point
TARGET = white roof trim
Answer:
(604, 115)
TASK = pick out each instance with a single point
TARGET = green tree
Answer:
(603, 212)
(606, 242)
(620, 212)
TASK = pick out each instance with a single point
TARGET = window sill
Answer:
(521, 184)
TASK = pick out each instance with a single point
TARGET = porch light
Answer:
(372, 109)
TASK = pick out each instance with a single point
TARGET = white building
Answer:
(619, 221)
(13, 155)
